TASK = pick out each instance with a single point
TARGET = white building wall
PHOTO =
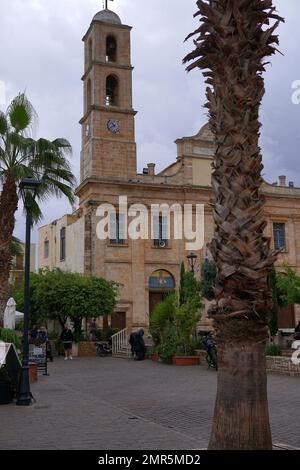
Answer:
(74, 260)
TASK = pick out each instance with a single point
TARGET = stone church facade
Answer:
(147, 269)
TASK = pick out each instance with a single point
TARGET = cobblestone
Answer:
(105, 403)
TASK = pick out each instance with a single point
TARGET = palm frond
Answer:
(3, 123)
(21, 114)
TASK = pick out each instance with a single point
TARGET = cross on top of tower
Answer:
(106, 4)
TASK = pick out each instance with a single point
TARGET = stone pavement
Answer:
(106, 404)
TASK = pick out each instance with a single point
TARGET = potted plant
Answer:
(185, 321)
(173, 324)
(153, 354)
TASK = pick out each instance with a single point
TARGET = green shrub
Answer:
(208, 275)
(198, 344)
(172, 326)
(105, 335)
(273, 350)
(53, 336)
(10, 336)
(78, 336)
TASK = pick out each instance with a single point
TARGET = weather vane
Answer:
(105, 2)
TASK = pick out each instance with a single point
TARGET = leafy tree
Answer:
(208, 279)
(16, 247)
(37, 317)
(182, 272)
(278, 301)
(22, 156)
(191, 291)
(232, 46)
(288, 286)
(59, 295)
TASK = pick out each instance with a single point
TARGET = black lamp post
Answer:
(192, 259)
(28, 188)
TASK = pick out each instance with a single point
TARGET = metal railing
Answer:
(120, 345)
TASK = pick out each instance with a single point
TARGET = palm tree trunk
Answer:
(241, 418)
(232, 46)
(8, 208)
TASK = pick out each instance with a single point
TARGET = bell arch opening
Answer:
(111, 49)
(112, 91)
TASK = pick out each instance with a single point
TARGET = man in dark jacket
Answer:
(67, 339)
(137, 343)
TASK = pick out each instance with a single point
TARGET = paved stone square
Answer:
(105, 403)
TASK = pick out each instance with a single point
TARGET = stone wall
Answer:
(282, 365)
(84, 349)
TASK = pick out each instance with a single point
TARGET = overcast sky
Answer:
(41, 52)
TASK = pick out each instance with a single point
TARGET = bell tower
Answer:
(108, 127)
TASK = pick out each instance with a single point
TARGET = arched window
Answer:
(90, 52)
(162, 280)
(111, 49)
(88, 95)
(63, 244)
(112, 89)
(46, 248)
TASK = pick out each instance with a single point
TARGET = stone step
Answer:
(121, 356)
(287, 352)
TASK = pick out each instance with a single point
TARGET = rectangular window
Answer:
(117, 229)
(46, 249)
(279, 236)
(160, 226)
(63, 244)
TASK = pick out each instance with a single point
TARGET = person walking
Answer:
(67, 339)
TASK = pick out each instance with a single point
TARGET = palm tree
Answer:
(232, 44)
(22, 156)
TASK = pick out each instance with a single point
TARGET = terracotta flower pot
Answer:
(185, 360)
(154, 357)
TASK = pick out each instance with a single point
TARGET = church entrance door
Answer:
(155, 298)
(161, 284)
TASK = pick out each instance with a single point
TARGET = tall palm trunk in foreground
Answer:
(232, 42)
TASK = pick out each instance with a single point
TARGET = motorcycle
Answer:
(104, 349)
(212, 354)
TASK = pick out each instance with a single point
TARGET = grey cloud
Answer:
(41, 51)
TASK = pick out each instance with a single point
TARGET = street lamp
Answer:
(28, 188)
(192, 259)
